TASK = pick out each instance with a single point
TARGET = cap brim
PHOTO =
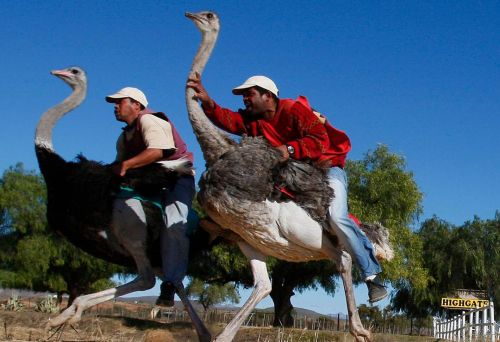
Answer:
(241, 89)
(113, 98)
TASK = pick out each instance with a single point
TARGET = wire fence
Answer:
(257, 319)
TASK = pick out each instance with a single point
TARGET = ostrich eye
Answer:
(210, 15)
(74, 71)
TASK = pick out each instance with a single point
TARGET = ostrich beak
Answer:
(192, 16)
(61, 73)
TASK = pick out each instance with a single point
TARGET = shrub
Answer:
(47, 305)
(13, 304)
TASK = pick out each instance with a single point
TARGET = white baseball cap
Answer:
(257, 81)
(131, 92)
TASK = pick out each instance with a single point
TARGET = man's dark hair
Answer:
(262, 91)
(140, 104)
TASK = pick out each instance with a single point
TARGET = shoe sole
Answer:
(378, 298)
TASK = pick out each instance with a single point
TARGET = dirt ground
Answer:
(29, 325)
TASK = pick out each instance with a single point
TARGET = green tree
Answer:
(464, 257)
(288, 278)
(370, 316)
(32, 257)
(209, 295)
(382, 190)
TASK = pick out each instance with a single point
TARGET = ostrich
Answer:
(236, 191)
(80, 207)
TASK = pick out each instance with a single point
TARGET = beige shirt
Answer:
(156, 132)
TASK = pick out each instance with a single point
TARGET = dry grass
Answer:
(28, 325)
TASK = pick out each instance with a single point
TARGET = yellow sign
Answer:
(461, 303)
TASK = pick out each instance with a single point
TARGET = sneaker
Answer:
(167, 293)
(376, 291)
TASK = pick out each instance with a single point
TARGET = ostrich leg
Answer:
(144, 281)
(262, 288)
(128, 225)
(203, 333)
(355, 326)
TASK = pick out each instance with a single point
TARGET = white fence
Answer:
(474, 325)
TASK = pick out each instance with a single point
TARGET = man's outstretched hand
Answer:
(194, 81)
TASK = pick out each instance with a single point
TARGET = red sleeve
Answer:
(226, 119)
(314, 141)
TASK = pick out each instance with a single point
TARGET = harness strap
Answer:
(127, 192)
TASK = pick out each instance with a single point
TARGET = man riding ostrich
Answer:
(238, 186)
(90, 204)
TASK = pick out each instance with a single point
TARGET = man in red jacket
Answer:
(297, 132)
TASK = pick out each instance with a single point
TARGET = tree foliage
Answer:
(31, 256)
(463, 257)
(209, 295)
(382, 190)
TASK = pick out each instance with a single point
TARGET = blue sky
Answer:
(422, 77)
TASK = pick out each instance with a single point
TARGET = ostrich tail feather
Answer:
(379, 236)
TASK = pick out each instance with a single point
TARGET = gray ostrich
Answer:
(237, 193)
(80, 207)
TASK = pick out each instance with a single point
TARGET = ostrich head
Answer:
(75, 77)
(205, 21)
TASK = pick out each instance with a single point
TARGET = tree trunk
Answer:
(281, 293)
(74, 291)
(59, 298)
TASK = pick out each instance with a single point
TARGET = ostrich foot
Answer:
(59, 331)
(70, 315)
(361, 335)
(49, 334)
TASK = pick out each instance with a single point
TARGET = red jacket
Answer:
(293, 124)
(340, 144)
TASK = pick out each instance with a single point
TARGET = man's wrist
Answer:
(208, 104)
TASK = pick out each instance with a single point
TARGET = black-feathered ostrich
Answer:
(80, 207)
(237, 192)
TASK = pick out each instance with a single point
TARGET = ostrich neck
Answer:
(43, 134)
(212, 141)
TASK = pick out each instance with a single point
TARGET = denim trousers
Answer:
(174, 242)
(174, 239)
(350, 235)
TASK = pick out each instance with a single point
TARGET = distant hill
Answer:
(178, 305)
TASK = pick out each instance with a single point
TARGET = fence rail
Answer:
(474, 325)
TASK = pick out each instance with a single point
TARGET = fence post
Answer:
(434, 327)
(492, 322)
(453, 328)
(461, 336)
(449, 329)
(484, 327)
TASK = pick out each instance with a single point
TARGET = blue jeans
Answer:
(174, 240)
(350, 235)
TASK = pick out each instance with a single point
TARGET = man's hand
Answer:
(146, 157)
(284, 153)
(201, 93)
(119, 169)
